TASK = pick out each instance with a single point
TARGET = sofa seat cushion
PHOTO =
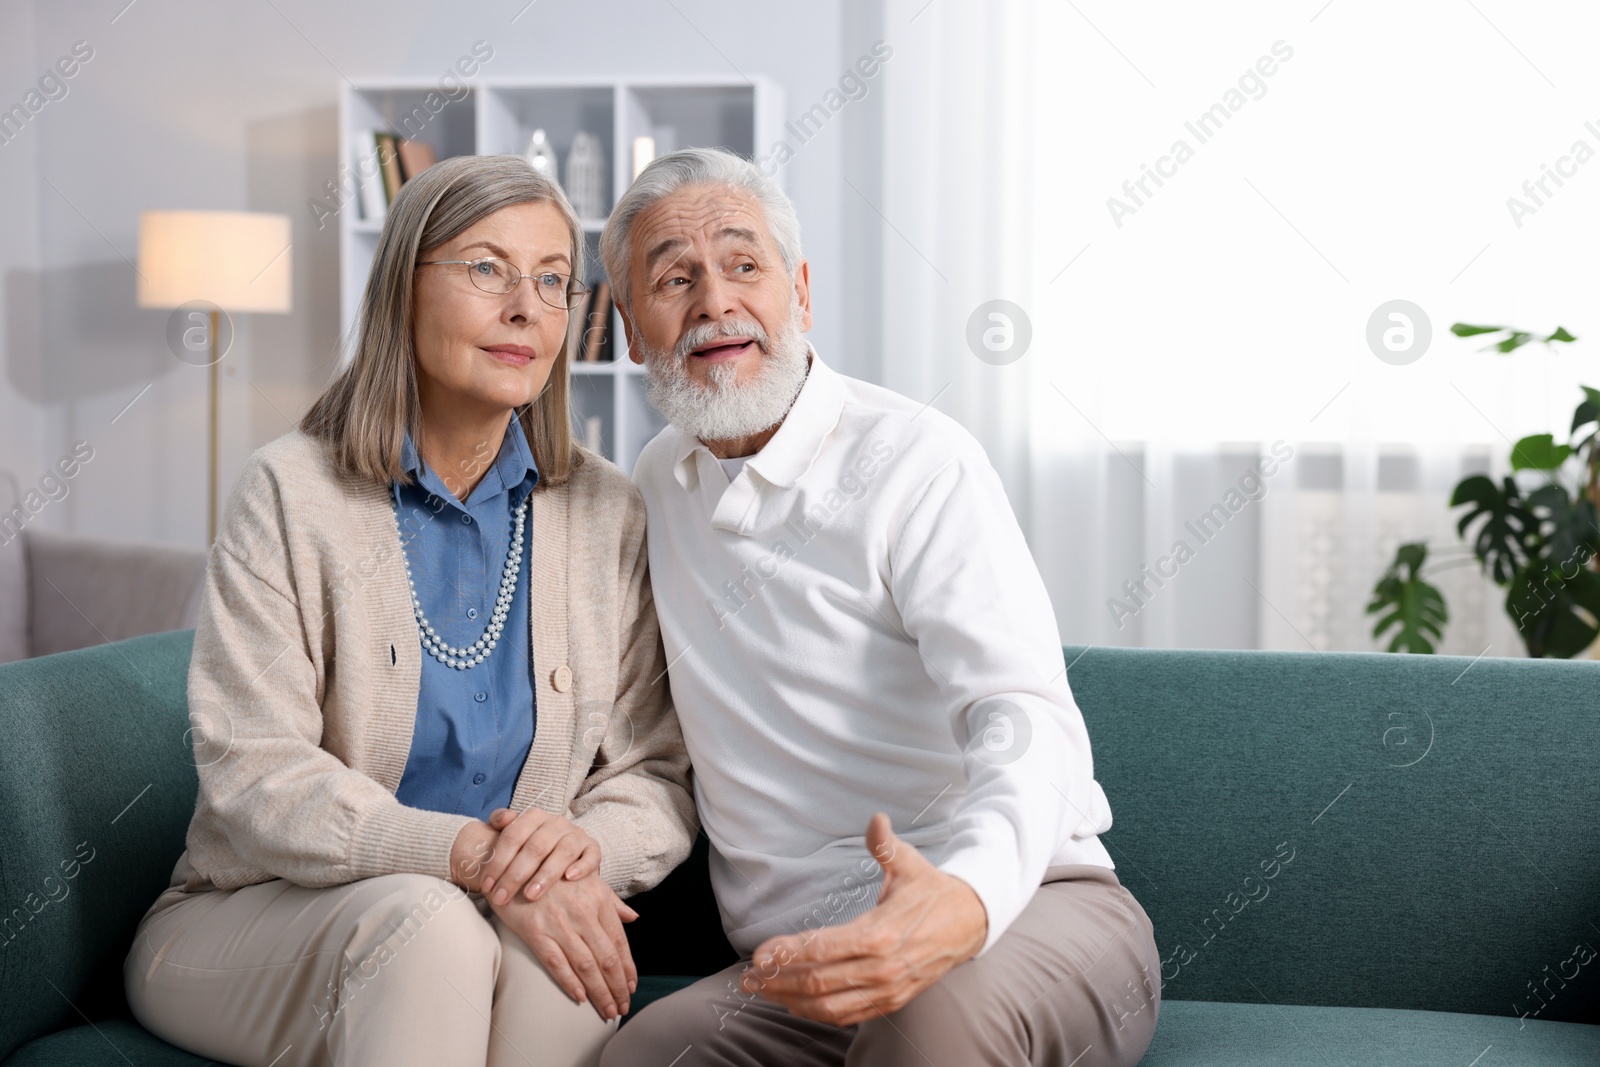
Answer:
(1194, 1033)
(112, 1042)
(1190, 1034)
(118, 1042)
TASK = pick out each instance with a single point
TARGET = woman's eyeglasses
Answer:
(494, 275)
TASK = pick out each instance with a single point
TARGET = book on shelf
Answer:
(415, 157)
(389, 163)
(384, 163)
(596, 336)
(577, 320)
(369, 176)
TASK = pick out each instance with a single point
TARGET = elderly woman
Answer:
(433, 735)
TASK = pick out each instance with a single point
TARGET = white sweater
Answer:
(855, 624)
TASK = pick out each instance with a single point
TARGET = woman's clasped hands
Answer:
(533, 850)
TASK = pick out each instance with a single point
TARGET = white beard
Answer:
(722, 409)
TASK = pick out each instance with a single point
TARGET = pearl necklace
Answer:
(466, 658)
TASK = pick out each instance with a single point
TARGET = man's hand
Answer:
(925, 923)
(575, 930)
(535, 849)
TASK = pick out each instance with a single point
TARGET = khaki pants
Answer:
(399, 970)
(1076, 980)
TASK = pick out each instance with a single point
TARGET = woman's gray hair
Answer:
(694, 166)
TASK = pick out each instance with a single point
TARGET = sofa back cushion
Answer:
(1354, 829)
(87, 590)
(97, 785)
(13, 576)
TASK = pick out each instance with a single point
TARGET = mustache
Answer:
(707, 332)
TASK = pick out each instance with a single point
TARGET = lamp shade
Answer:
(238, 260)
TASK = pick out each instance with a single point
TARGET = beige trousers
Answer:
(398, 970)
(1076, 980)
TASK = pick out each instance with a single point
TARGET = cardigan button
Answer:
(561, 678)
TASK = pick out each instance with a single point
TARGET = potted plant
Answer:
(1535, 534)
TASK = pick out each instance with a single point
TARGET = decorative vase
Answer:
(585, 182)
(541, 156)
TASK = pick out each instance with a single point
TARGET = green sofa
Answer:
(1349, 859)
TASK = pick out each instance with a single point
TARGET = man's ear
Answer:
(627, 332)
(802, 291)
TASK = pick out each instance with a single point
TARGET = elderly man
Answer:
(895, 779)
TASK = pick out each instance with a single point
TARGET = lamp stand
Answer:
(211, 452)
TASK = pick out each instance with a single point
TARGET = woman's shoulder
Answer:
(600, 497)
(598, 482)
(294, 455)
(280, 477)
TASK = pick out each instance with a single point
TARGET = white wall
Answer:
(194, 105)
(21, 418)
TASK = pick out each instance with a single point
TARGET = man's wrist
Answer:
(976, 912)
(980, 915)
(470, 853)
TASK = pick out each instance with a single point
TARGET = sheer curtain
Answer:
(1185, 329)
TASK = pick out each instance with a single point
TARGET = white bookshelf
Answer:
(498, 116)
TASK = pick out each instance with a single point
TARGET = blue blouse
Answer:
(474, 727)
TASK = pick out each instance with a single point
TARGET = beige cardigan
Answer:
(306, 668)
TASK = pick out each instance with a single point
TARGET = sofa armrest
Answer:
(86, 591)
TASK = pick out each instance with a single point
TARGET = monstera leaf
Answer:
(1513, 340)
(1539, 452)
(1541, 546)
(1556, 608)
(1506, 528)
(1568, 528)
(1413, 605)
(1586, 416)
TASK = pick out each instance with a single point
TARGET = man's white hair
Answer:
(694, 166)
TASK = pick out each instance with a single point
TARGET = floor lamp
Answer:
(205, 263)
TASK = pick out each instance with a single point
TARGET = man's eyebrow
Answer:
(672, 243)
(503, 254)
(739, 232)
(662, 249)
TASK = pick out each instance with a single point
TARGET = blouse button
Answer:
(472, 613)
(480, 697)
(561, 678)
(466, 520)
(477, 779)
